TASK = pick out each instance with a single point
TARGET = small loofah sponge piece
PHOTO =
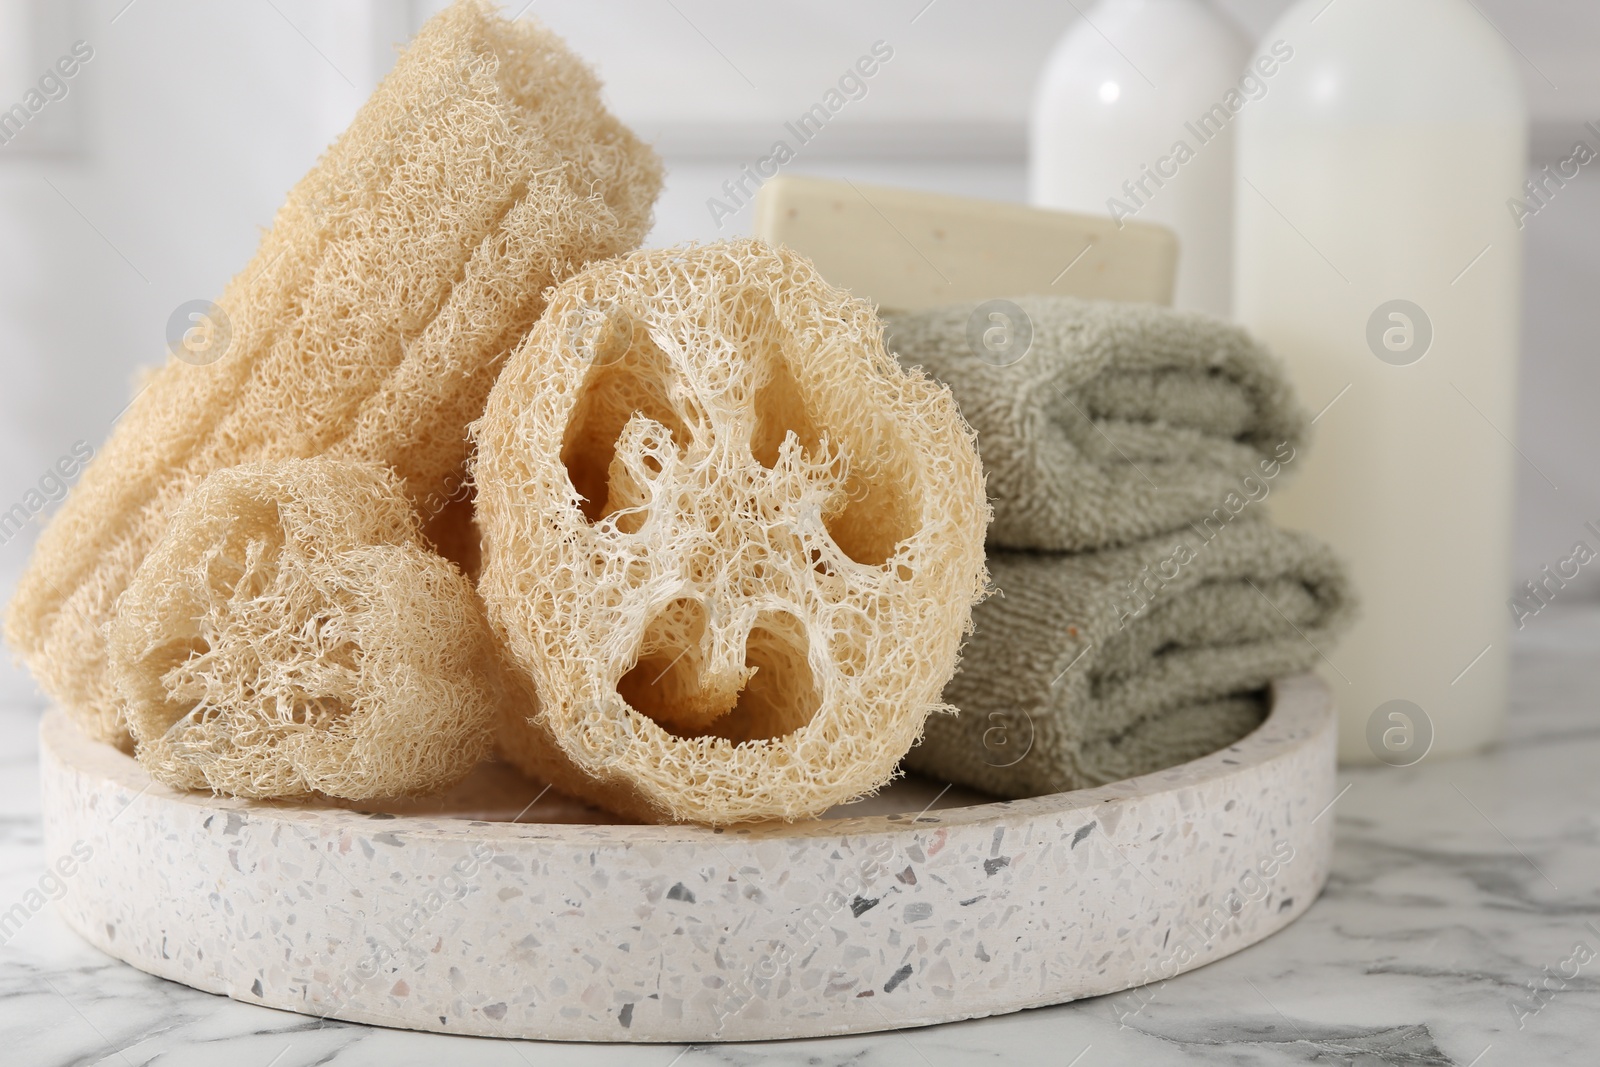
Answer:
(395, 279)
(290, 635)
(732, 546)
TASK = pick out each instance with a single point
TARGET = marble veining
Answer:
(1458, 888)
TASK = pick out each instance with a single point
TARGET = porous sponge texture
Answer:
(371, 323)
(731, 546)
(289, 635)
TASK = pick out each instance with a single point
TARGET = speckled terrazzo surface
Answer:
(553, 927)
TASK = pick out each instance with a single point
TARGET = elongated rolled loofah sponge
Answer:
(288, 635)
(400, 272)
(731, 544)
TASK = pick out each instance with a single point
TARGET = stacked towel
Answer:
(1092, 667)
(1142, 602)
(1120, 422)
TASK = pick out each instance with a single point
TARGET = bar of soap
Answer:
(906, 250)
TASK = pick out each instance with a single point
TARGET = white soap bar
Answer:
(906, 250)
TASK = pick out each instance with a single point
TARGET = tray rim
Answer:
(1299, 707)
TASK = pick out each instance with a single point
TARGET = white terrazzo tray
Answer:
(449, 914)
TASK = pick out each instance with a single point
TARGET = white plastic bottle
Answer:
(1377, 252)
(1126, 122)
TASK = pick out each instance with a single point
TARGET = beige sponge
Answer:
(370, 325)
(731, 545)
(288, 635)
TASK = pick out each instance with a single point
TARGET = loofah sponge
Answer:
(731, 544)
(397, 276)
(288, 634)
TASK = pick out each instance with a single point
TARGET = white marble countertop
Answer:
(1461, 926)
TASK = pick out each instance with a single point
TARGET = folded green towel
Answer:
(1086, 668)
(1120, 422)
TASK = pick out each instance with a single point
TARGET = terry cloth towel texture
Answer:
(1120, 421)
(1092, 667)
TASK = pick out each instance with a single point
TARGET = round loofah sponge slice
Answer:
(732, 546)
(289, 635)
(372, 321)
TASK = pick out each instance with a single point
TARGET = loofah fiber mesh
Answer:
(288, 634)
(731, 545)
(370, 325)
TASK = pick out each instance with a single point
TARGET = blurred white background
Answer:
(147, 183)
